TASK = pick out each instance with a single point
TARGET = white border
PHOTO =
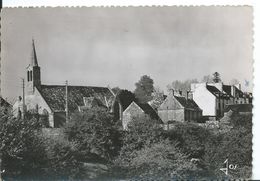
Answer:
(256, 112)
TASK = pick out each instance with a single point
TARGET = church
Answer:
(50, 100)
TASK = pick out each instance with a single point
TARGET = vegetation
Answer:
(94, 147)
(144, 89)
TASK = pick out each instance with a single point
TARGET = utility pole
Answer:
(66, 101)
(23, 108)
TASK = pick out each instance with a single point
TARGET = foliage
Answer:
(144, 89)
(116, 90)
(162, 160)
(183, 86)
(216, 77)
(95, 134)
(23, 154)
(207, 78)
(63, 160)
(236, 145)
(191, 138)
(125, 97)
(142, 131)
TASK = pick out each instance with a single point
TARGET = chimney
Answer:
(171, 92)
(189, 95)
(180, 92)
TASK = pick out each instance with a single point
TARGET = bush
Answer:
(191, 138)
(159, 161)
(23, 153)
(95, 134)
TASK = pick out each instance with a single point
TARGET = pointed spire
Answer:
(33, 56)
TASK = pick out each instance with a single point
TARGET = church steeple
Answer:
(33, 72)
(34, 61)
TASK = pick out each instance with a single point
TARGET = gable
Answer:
(133, 109)
(170, 103)
(187, 103)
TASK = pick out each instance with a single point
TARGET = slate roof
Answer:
(239, 93)
(239, 108)
(187, 103)
(149, 110)
(54, 95)
(216, 92)
(4, 103)
(227, 89)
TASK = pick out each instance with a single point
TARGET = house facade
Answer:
(50, 100)
(212, 98)
(125, 107)
(179, 108)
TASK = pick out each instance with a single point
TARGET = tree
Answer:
(144, 89)
(23, 153)
(234, 145)
(95, 134)
(191, 138)
(64, 160)
(207, 78)
(116, 90)
(216, 77)
(160, 161)
(183, 86)
(142, 131)
(125, 97)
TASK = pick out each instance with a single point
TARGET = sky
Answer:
(116, 46)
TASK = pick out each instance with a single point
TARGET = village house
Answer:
(125, 109)
(50, 100)
(212, 98)
(177, 107)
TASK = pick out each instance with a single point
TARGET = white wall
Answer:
(205, 100)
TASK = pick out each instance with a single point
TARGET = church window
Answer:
(28, 76)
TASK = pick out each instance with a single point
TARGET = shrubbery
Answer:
(95, 146)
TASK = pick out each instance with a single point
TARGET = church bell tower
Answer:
(33, 73)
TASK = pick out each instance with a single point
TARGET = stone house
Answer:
(137, 109)
(125, 107)
(50, 100)
(177, 107)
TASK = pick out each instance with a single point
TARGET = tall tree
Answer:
(144, 89)
(207, 78)
(183, 86)
(95, 134)
(216, 77)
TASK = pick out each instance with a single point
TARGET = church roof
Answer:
(54, 95)
(4, 103)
